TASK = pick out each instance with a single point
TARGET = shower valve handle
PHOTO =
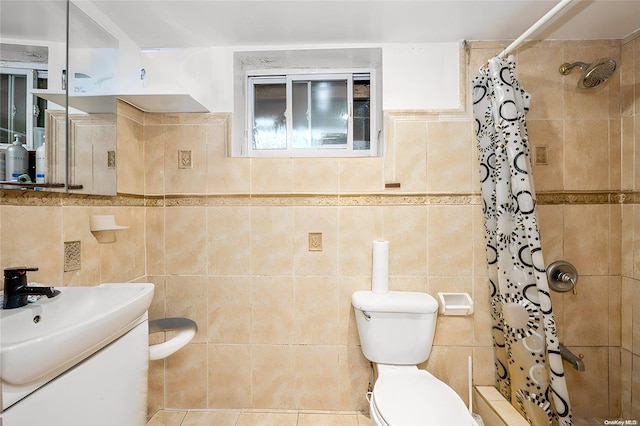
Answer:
(562, 276)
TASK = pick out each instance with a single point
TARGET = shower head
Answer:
(593, 74)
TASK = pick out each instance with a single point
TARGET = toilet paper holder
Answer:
(455, 303)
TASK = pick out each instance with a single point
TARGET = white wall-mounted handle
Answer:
(185, 330)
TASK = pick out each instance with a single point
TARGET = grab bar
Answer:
(185, 330)
(575, 361)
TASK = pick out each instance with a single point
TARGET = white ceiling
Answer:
(186, 23)
(199, 23)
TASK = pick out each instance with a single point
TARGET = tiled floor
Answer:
(284, 418)
(258, 418)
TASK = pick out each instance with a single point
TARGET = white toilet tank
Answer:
(396, 327)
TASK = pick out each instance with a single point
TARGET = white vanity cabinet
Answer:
(108, 388)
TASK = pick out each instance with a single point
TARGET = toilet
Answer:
(396, 333)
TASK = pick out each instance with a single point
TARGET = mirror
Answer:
(93, 62)
(32, 58)
(79, 152)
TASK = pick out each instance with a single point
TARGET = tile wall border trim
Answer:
(53, 199)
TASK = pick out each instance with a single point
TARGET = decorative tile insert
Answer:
(111, 159)
(71, 255)
(315, 241)
(541, 158)
(184, 160)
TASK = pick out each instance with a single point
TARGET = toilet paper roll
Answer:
(380, 269)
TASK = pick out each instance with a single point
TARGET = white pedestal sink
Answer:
(76, 359)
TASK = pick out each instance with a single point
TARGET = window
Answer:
(308, 103)
(20, 110)
(303, 113)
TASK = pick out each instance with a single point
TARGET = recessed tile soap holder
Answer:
(103, 227)
(455, 304)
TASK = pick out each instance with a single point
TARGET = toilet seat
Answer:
(417, 398)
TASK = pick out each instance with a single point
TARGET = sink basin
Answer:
(45, 338)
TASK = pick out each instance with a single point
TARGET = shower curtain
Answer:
(529, 367)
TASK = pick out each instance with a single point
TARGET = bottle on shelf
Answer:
(41, 163)
(16, 160)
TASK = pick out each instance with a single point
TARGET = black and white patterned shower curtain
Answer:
(528, 363)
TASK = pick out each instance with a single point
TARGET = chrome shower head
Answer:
(593, 74)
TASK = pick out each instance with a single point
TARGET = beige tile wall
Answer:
(226, 243)
(235, 246)
(587, 151)
(269, 301)
(35, 236)
(276, 327)
(629, 339)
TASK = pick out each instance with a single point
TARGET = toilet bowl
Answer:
(396, 331)
(408, 396)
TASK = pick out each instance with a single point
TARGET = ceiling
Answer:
(200, 23)
(186, 23)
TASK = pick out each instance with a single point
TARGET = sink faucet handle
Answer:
(16, 276)
(16, 291)
(20, 269)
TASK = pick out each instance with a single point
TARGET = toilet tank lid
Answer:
(395, 301)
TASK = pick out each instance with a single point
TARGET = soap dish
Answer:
(103, 227)
(455, 304)
(105, 222)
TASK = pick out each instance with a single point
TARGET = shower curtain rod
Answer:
(550, 14)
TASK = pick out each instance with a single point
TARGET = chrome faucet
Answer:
(575, 361)
(16, 289)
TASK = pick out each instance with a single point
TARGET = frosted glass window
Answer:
(361, 114)
(20, 110)
(320, 114)
(309, 115)
(13, 107)
(269, 121)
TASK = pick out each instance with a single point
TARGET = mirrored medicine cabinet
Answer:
(52, 57)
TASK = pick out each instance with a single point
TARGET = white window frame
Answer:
(288, 77)
(30, 74)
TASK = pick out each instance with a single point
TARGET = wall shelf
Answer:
(106, 104)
